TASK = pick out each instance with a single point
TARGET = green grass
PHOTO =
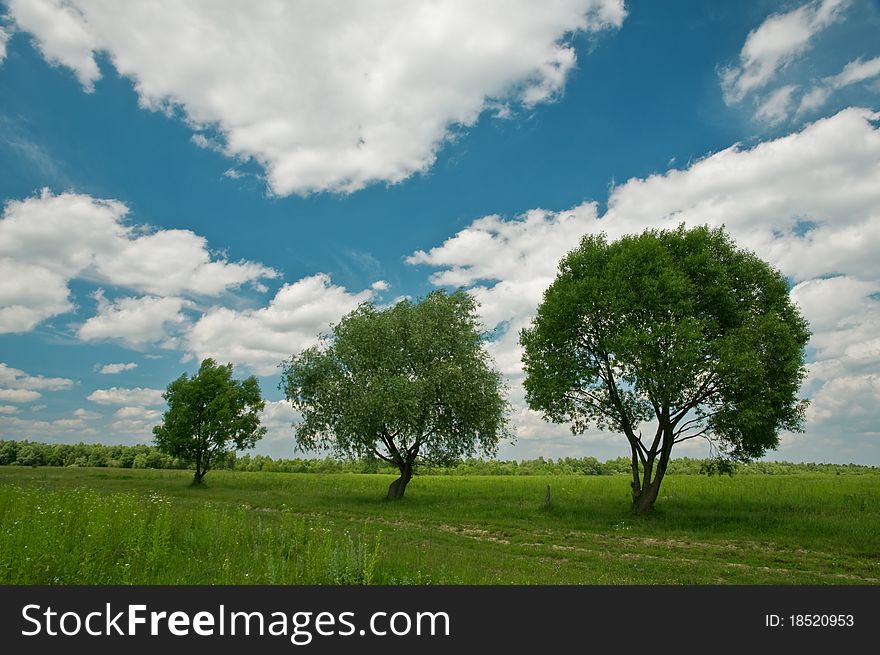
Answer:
(78, 525)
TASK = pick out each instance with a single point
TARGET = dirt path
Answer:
(620, 546)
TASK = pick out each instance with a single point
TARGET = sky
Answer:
(228, 179)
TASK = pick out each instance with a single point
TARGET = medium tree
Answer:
(680, 328)
(407, 382)
(209, 413)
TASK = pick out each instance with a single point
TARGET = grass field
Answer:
(104, 526)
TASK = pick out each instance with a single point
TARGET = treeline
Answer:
(32, 453)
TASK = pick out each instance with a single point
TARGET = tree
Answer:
(407, 382)
(207, 414)
(677, 327)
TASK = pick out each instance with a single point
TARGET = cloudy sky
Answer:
(227, 179)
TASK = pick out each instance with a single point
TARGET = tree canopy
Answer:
(208, 414)
(679, 329)
(401, 383)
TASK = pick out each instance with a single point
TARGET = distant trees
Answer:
(207, 414)
(407, 383)
(680, 329)
(148, 457)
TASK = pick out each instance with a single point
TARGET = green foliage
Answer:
(410, 381)
(680, 328)
(208, 414)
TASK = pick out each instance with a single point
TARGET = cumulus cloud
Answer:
(86, 415)
(16, 386)
(135, 421)
(113, 369)
(29, 294)
(775, 44)
(129, 397)
(507, 265)
(48, 240)
(262, 338)
(8, 409)
(62, 35)
(134, 321)
(64, 429)
(278, 417)
(324, 97)
(854, 397)
(854, 72)
(13, 377)
(19, 395)
(808, 202)
(843, 378)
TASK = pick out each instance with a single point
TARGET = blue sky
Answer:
(226, 181)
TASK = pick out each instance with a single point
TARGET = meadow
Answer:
(143, 526)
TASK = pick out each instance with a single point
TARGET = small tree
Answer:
(398, 384)
(208, 413)
(677, 327)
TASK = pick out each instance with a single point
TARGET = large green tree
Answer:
(679, 331)
(208, 414)
(412, 381)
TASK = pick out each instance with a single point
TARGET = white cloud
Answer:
(850, 402)
(64, 429)
(13, 377)
(29, 294)
(380, 285)
(62, 35)
(814, 98)
(19, 395)
(8, 409)
(16, 386)
(278, 417)
(135, 422)
(808, 202)
(113, 369)
(86, 415)
(134, 321)
(129, 397)
(325, 96)
(508, 264)
(69, 423)
(262, 338)
(854, 72)
(48, 240)
(774, 44)
(4, 37)
(138, 413)
(844, 315)
(775, 108)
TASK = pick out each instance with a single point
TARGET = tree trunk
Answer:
(396, 489)
(644, 500)
(644, 495)
(646, 490)
(198, 475)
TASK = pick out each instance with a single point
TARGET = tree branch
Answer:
(703, 392)
(381, 456)
(701, 433)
